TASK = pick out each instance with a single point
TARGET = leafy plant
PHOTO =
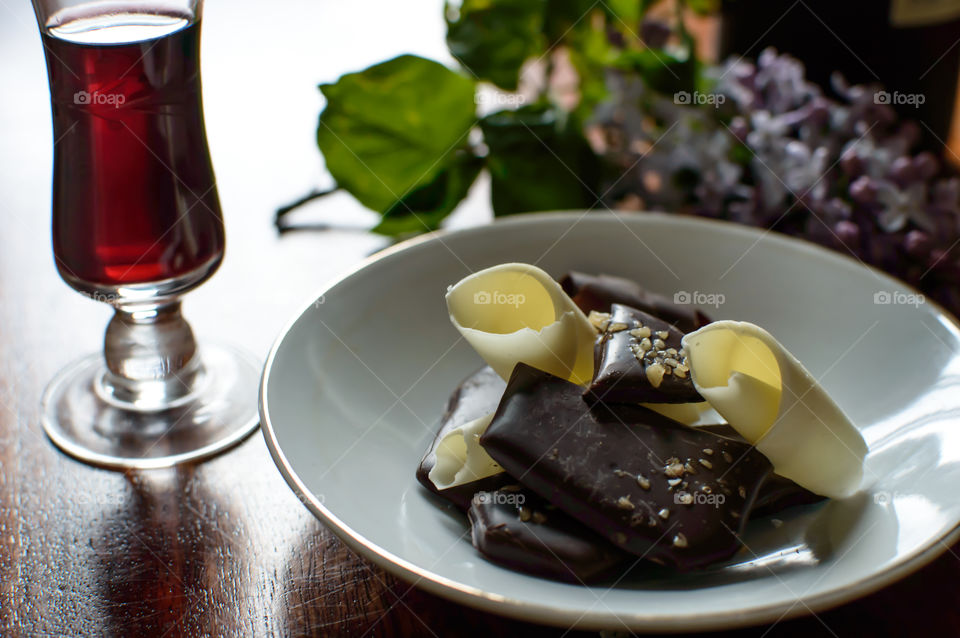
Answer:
(405, 139)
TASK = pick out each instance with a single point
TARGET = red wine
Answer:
(134, 195)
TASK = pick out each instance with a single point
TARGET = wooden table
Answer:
(223, 548)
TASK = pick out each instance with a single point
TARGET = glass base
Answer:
(219, 413)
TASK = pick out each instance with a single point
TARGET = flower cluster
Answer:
(773, 151)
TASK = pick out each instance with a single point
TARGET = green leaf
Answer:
(538, 162)
(662, 70)
(394, 127)
(493, 38)
(563, 18)
(424, 209)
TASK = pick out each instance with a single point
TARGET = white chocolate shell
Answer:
(515, 313)
(460, 459)
(767, 395)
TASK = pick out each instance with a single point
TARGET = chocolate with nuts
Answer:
(639, 359)
(639, 479)
(516, 528)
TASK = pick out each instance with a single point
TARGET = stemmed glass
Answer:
(136, 224)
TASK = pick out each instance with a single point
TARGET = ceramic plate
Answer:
(354, 387)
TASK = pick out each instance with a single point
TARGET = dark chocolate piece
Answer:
(639, 359)
(656, 488)
(478, 395)
(599, 292)
(517, 529)
(777, 492)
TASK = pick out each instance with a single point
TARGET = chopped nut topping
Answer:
(742, 492)
(539, 518)
(616, 326)
(689, 468)
(599, 320)
(659, 344)
(673, 482)
(681, 372)
(663, 334)
(655, 372)
(674, 468)
(664, 513)
(525, 513)
(705, 463)
(708, 451)
(643, 481)
(706, 489)
(680, 540)
(671, 352)
(645, 344)
(727, 457)
(620, 473)
(652, 522)
(735, 513)
(640, 333)
(673, 363)
(624, 503)
(686, 498)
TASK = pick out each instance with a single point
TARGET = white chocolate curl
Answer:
(767, 396)
(515, 313)
(460, 459)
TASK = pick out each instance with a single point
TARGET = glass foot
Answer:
(218, 413)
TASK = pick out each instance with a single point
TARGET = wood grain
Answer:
(223, 548)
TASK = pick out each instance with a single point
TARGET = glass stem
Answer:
(151, 357)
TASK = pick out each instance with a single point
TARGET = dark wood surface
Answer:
(224, 548)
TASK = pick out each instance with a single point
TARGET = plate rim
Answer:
(591, 619)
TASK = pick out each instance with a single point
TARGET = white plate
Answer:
(355, 384)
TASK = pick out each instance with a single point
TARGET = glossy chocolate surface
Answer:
(653, 487)
(516, 528)
(639, 359)
(599, 292)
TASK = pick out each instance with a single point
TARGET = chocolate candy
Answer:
(639, 359)
(778, 492)
(475, 397)
(517, 529)
(599, 292)
(658, 489)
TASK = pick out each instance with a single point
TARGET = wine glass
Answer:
(136, 224)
